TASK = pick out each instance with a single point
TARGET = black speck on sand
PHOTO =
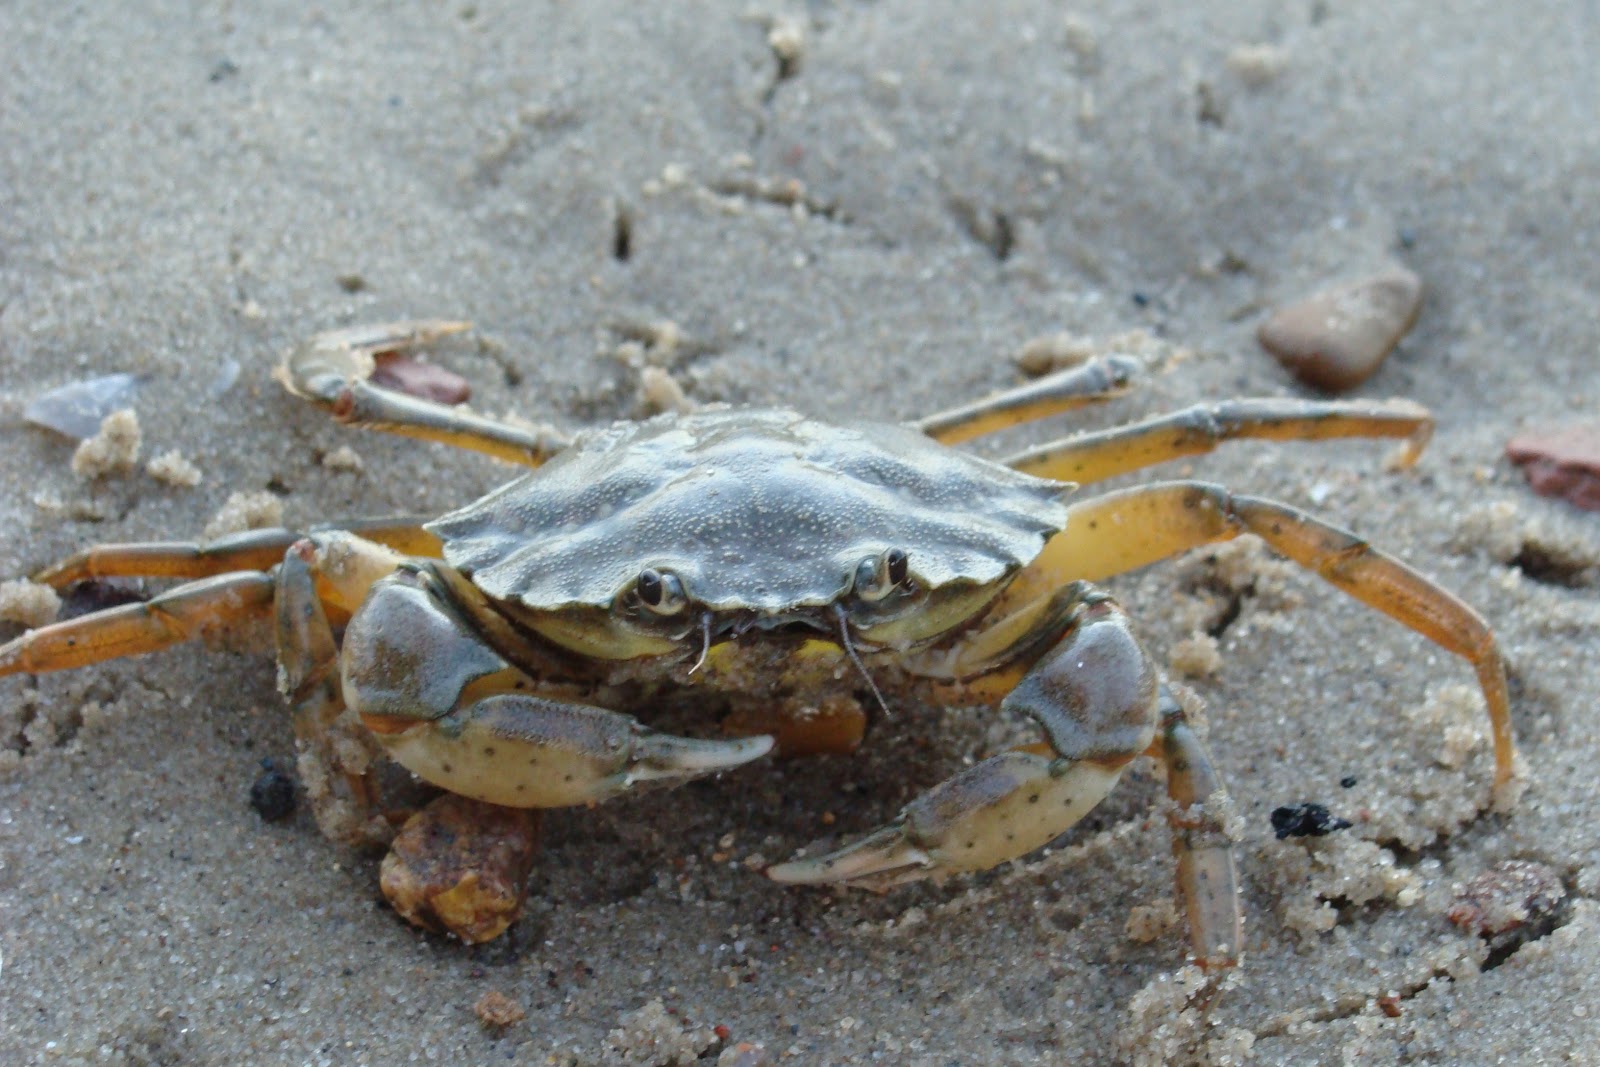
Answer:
(185, 186)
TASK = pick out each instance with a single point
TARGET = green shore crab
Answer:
(498, 652)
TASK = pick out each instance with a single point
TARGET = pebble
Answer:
(1055, 351)
(1562, 462)
(1336, 339)
(496, 1011)
(461, 866)
(273, 793)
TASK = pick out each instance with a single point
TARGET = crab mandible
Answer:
(494, 651)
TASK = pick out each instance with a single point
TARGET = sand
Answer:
(856, 210)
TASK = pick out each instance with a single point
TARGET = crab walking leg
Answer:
(252, 550)
(1200, 844)
(1096, 380)
(175, 616)
(414, 665)
(1131, 528)
(346, 803)
(1093, 457)
(333, 370)
(1094, 695)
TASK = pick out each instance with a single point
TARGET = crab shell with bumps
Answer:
(500, 652)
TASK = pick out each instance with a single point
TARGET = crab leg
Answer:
(174, 616)
(332, 370)
(1200, 845)
(327, 738)
(1092, 457)
(457, 715)
(252, 550)
(1131, 528)
(1096, 380)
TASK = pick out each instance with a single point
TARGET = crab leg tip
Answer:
(389, 336)
(878, 861)
(663, 757)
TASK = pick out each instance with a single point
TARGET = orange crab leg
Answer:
(1096, 380)
(1131, 528)
(1092, 457)
(252, 550)
(174, 616)
(345, 568)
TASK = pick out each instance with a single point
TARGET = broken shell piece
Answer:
(461, 866)
(1335, 340)
(76, 409)
(423, 380)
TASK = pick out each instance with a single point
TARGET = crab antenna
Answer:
(705, 647)
(850, 650)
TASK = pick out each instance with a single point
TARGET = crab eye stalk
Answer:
(878, 576)
(660, 592)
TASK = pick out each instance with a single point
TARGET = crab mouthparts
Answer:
(739, 626)
(711, 629)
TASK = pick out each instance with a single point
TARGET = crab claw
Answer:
(667, 759)
(880, 861)
(1002, 808)
(324, 367)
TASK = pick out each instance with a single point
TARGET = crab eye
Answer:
(894, 564)
(878, 576)
(660, 591)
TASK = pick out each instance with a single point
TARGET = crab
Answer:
(749, 555)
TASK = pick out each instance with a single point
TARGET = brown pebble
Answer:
(496, 1011)
(1336, 339)
(1507, 896)
(461, 866)
(424, 380)
(1561, 462)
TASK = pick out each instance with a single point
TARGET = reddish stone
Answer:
(1562, 462)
